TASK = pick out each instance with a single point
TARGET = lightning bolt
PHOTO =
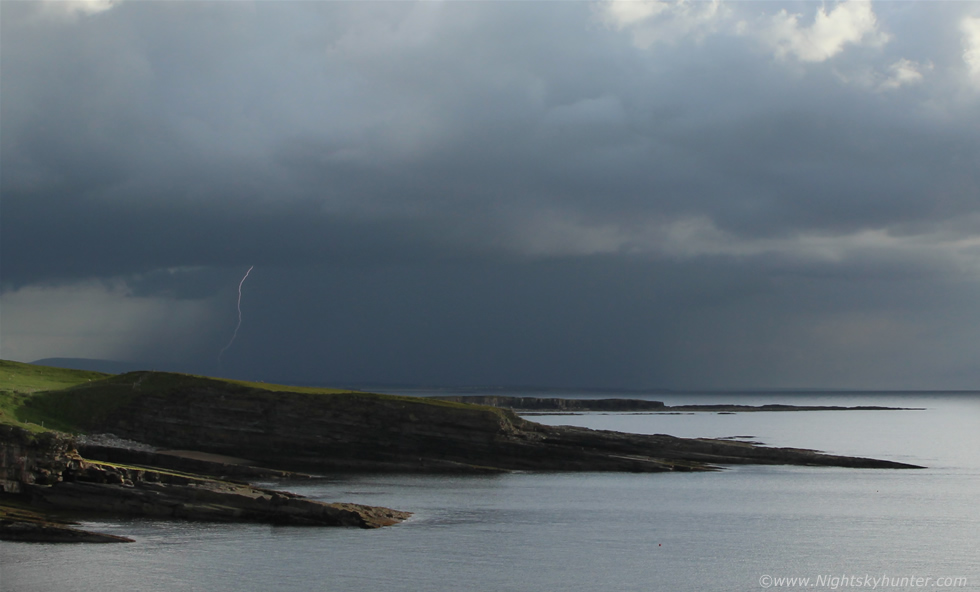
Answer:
(239, 325)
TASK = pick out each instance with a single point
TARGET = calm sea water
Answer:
(740, 529)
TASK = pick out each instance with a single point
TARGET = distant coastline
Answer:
(527, 405)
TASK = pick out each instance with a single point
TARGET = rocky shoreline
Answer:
(363, 432)
(27, 525)
(43, 476)
(181, 447)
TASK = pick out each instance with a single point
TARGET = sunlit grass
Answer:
(46, 398)
(28, 378)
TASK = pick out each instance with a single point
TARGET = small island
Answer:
(179, 446)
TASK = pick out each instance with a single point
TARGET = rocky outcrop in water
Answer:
(43, 473)
(37, 461)
(364, 432)
(140, 491)
(28, 526)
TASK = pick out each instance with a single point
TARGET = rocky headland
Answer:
(187, 447)
(314, 432)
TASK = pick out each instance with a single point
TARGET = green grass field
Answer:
(45, 397)
(20, 382)
(42, 398)
(28, 378)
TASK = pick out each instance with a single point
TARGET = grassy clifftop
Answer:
(29, 378)
(20, 383)
(43, 397)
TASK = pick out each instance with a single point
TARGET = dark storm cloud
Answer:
(510, 192)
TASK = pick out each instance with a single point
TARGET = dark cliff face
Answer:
(28, 459)
(320, 432)
(365, 432)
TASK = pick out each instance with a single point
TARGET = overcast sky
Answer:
(633, 194)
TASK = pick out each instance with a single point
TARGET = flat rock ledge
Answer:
(138, 491)
(23, 525)
(42, 476)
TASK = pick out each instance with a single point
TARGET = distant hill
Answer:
(106, 366)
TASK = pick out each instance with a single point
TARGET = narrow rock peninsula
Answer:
(550, 404)
(319, 432)
(27, 525)
(43, 473)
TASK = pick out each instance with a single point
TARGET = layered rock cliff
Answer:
(366, 432)
(28, 459)
(245, 431)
